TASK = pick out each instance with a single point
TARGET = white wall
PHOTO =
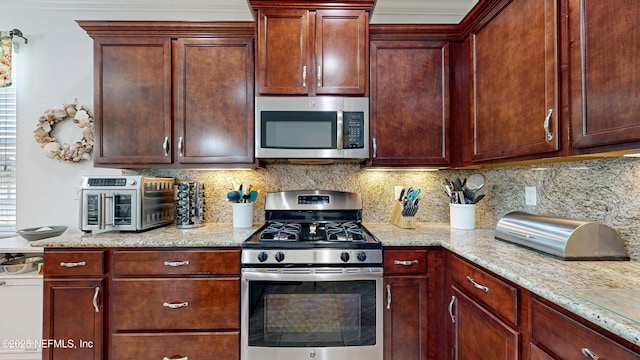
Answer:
(56, 67)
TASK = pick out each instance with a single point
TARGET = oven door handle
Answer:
(258, 275)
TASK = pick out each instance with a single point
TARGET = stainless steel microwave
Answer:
(320, 127)
(126, 203)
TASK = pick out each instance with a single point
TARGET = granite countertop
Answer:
(558, 281)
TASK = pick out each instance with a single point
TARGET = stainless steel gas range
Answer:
(312, 285)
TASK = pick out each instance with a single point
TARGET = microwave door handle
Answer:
(340, 130)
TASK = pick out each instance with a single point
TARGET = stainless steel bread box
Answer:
(565, 238)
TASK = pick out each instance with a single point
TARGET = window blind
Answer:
(8, 132)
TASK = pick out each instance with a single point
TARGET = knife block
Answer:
(405, 222)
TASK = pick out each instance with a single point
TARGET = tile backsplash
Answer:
(602, 190)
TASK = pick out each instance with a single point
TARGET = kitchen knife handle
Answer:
(304, 76)
(589, 354)
(405, 262)
(547, 129)
(73, 264)
(180, 141)
(176, 305)
(176, 263)
(453, 301)
(165, 146)
(176, 358)
(95, 299)
(476, 285)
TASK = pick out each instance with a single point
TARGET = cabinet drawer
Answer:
(178, 262)
(500, 297)
(567, 339)
(208, 345)
(62, 262)
(176, 303)
(405, 262)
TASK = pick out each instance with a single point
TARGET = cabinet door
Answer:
(341, 51)
(604, 72)
(132, 99)
(73, 317)
(409, 103)
(479, 334)
(405, 318)
(284, 58)
(214, 101)
(514, 85)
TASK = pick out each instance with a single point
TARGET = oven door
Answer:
(109, 210)
(312, 313)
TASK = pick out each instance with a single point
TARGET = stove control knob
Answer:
(344, 256)
(279, 256)
(362, 256)
(262, 256)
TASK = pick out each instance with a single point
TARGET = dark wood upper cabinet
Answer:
(410, 103)
(514, 83)
(132, 100)
(604, 73)
(311, 48)
(214, 101)
(173, 94)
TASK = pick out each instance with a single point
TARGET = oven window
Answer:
(298, 129)
(312, 313)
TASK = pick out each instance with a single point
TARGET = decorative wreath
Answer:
(79, 150)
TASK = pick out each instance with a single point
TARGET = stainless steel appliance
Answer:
(312, 285)
(126, 203)
(321, 127)
(568, 239)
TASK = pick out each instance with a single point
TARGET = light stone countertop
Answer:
(551, 278)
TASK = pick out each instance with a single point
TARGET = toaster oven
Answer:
(126, 203)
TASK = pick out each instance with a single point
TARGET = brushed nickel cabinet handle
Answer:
(176, 263)
(547, 128)
(477, 286)
(165, 146)
(176, 358)
(453, 301)
(319, 75)
(406, 262)
(176, 305)
(304, 76)
(375, 148)
(180, 141)
(388, 296)
(589, 354)
(73, 264)
(95, 299)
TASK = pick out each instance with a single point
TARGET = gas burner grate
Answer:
(347, 231)
(278, 231)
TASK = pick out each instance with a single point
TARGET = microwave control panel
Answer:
(354, 130)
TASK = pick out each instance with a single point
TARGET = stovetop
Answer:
(312, 228)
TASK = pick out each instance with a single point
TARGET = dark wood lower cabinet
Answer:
(405, 318)
(207, 345)
(73, 319)
(479, 334)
